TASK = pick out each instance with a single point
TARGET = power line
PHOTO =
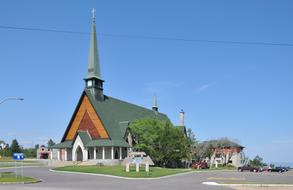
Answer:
(42, 30)
(150, 37)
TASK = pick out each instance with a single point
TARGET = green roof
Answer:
(92, 143)
(107, 142)
(65, 144)
(84, 136)
(115, 115)
(113, 111)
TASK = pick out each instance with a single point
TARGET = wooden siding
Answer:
(87, 124)
(86, 108)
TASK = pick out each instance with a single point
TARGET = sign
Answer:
(137, 160)
(18, 156)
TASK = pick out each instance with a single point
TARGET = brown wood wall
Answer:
(87, 119)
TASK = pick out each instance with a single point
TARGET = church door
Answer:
(79, 154)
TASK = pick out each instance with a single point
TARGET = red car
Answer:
(199, 165)
(249, 168)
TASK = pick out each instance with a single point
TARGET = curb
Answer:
(29, 182)
(247, 185)
(120, 177)
(19, 167)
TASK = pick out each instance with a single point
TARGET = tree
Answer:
(15, 148)
(30, 152)
(37, 146)
(51, 143)
(257, 161)
(161, 140)
(204, 149)
(7, 151)
(191, 143)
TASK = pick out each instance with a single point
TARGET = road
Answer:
(62, 181)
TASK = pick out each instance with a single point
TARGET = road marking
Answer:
(227, 178)
(246, 185)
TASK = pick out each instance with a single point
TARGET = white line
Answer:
(246, 185)
(119, 177)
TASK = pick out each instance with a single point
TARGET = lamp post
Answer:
(11, 98)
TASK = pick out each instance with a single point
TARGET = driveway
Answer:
(191, 181)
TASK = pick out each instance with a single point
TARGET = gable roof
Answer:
(116, 114)
(113, 111)
(84, 136)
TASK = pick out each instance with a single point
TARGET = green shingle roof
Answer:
(113, 112)
(107, 142)
(84, 136)
(115, 115)
(64, 144)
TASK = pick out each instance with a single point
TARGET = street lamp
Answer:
(11, 98)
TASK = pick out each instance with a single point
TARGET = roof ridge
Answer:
(134, 104)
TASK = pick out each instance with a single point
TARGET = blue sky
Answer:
(243, 92)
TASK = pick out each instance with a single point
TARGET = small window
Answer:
(89, 83)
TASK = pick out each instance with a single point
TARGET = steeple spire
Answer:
(155, 105)
(93, 59)
(93, 79)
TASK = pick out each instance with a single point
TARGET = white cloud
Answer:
(204, 87)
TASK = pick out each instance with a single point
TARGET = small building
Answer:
(98, 131)
(227, 153)
(43, 153)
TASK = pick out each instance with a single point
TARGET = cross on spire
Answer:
(93, 13)
(93, 79)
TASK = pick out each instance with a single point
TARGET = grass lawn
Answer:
(5, 164)
(5, 159)
(11, 177)
(120, 171)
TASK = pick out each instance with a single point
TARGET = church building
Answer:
(98, 130)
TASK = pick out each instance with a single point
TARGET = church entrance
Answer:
(79, 154)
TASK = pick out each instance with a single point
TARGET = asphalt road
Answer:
(62, 181)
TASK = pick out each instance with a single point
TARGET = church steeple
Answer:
(93, 79)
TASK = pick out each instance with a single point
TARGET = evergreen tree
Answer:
(37, 146)
(15, 148)
(51, 143)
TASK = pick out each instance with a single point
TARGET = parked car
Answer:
(279, 169)
(199, 165)
(266, 169)
(249, 168)
(286, 168)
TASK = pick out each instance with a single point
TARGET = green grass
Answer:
(9, 177)
(11, 160)
(120, 171)
(6, 164)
